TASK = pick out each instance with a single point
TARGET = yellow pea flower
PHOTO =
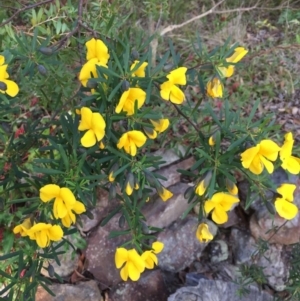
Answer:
(164, 193)
(160, 125)
(203, 234)
(23, 228)
(131, 140)
(283, 205)
(219, 204)
(149, 257)
(211, 141)
(96, 49)
(289, 162)
(140, 71)
(95, 126)
(89, 71)
(231, 187)
(7, 86)
(151, 133)
(239, 53)
(70, 217)
(169, 90)
(203, 184)
(214, 88)
(132, 262)
(45, 233)
(258, 157)
(128, 99)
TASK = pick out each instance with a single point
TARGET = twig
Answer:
(24, 9)
(210, 11)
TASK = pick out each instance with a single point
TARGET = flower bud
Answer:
(134, 54)
(112, 192)
(188, 193)
(145, 228)
(122, 221)
(92, 83)
(111, 175)
(231, 187)
(46, 50)
(151, 133)
(50, 270)
(168, 67)
(3, 86)
(42, 70)
(151, 179)
(203, 184)
(125, 85)
(270, 207)
(129, 183)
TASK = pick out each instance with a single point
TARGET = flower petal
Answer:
(12, 88)
(176, 96)
(49, 192)
(88, 139)
(121, 256)
(286, 209)
(98, 125)
(269, 149)
(219, 215)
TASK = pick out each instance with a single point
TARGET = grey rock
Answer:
(87, 291)
(161, 214)
(243, 245)
(218, 251)
(181, 246)
(217, 290)
(274, 267)
(150, 287)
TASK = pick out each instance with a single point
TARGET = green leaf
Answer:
(252, 113)
(111, 215)
(47, 171)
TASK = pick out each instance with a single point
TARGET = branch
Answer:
(24, 9)
(210, 11)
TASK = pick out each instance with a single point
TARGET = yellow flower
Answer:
(239, 53)
(128, 99)
(132, 262)
(23, 228)
(211, 141)
(201, 187)
(7, 86)
(140, 71)
(111, 177)
(149, 257)
(64, 203)
(283, 205)
(151, 133)
(131, 140)
(96, 49)
(259, 156)
(203, 234)
(129, 184)
(95, 126)
(219, 204)
(169, 90)
(215, 88)
(177, 76)
(89, 71)
(160, 125)
(289, 162)
(44, 233)
(164, 193)
(231, 187)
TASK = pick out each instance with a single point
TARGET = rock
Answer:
(161, 214)
(87, 291)
(218, 251)
(68, 260)
(217, 290)
(274, 267)
(101, 253)
(243, 245)
(262, 222)
(150, 287)
(181, 246)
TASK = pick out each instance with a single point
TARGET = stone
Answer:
(161, 214)
(150, 287)
(181, 247)
(101, 253)
(243, 246)
(87, 291)
(217, 290)
(218, 251)
(274, 266)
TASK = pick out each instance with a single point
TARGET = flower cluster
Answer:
(64, 205)
(214, 87)
(132, 264)
(7, 86)
(262, 155)
(42, 233)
